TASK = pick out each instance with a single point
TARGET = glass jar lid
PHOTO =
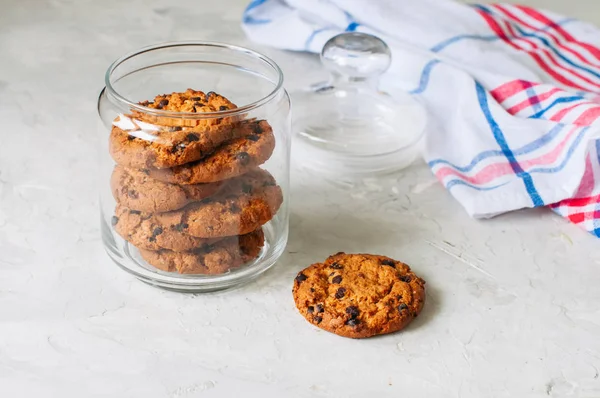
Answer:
(348, 125)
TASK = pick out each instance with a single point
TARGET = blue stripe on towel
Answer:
(248, 19)
(424, 81)
(352, 26)
(501, 140)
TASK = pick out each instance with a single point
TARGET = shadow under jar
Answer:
(195, 149)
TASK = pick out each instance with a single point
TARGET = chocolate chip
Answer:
(162, 104)
(198, 104)
(192, 137)
(132, 194)
(180, 227)
(337, 279)
(223, 108)
(210, 94)
(405, 278)
(131, 138)
(246, 188)
(352, 311)
(335, 265)
(389, 263)
(157, 231)
(145, 171)
(135, 212)
(257, 129)
(196, 98)
(243, 158)
(310, 309)
(312, 289)
(114, 220)
(301, 278)
(352, 322)
(175, 128)
(402, 307)
(319, 308)
(253, 138)
(318, 319)
(340, 293)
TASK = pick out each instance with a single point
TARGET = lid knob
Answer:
(356, 55)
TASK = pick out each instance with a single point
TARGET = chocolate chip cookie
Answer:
(189, 101)
(142, 140)
(232, 159)
(217, 258)
(359, 295)
(135, 190)
(155, 231)
(243, 205)
(165, 147)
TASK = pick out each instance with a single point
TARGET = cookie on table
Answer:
(152, 232)
(359, 295)
(217, 258)
(144, 141)
(232, 159)
(136, 190)
(243, 205)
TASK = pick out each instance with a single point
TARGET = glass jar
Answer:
(194, 189)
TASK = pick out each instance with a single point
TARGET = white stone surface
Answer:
(512, 307)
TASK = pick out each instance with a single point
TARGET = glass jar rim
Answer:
(192, 115)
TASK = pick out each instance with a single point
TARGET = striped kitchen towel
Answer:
(512, 92)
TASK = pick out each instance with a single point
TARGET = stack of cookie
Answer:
(190, 195)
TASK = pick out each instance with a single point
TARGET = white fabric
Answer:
(473, 61)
